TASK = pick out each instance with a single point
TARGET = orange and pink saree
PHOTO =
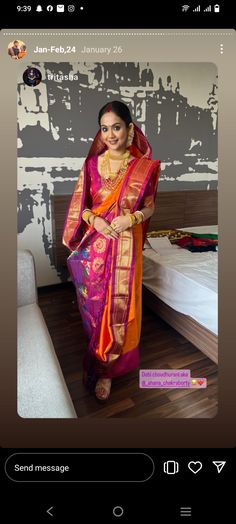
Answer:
(107, 273)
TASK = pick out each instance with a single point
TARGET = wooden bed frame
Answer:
(177, 209)
(174, 209)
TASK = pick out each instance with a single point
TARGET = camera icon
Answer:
(71, 8)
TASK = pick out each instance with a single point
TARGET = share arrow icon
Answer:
(219, 464)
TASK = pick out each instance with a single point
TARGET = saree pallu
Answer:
(107, 273)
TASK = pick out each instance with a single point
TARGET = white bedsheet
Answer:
(186, 281)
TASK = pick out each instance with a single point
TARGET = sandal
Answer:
(103, 388)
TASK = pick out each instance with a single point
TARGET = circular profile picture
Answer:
(32, 76)
(16, 49)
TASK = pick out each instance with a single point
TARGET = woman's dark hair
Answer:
(119, 108)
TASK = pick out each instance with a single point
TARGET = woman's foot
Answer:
(103, 388)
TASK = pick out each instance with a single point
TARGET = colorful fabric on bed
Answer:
(195, 242)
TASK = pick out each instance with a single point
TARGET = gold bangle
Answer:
(132, 219)
(86, 216)
(140, 216)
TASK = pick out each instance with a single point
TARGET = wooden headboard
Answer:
(174, 209)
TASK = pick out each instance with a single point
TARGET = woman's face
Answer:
(114, 132)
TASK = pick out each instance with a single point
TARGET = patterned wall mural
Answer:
(175, 105)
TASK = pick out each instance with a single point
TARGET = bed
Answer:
(181, 286)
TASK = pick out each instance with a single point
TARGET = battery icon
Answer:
(171, 467)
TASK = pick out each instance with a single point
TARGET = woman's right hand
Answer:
(100, 224)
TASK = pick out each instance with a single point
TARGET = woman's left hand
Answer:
(121, 223)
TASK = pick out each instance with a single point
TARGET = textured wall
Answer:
(175, 104)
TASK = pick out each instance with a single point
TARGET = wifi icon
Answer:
(185, 8)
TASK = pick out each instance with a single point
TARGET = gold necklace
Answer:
(118, 157)
(110, 179)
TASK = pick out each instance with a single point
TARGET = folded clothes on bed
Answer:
(195, 242)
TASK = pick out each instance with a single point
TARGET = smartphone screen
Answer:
(117, 348)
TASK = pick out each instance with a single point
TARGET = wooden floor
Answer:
(161, 347)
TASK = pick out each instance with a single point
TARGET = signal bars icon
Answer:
(197, 9)
(208, 9)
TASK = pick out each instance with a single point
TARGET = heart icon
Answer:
(200, 382)
(195, 466)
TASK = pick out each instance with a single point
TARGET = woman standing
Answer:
(105, 229)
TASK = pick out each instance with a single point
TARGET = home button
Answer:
(118, 511)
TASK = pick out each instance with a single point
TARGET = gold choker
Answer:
(116, 157)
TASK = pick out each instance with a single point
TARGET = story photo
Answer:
(118, 240)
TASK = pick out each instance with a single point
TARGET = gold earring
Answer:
(130, 135)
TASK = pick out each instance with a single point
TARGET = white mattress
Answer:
(186, 281)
